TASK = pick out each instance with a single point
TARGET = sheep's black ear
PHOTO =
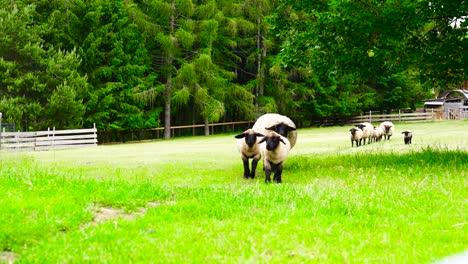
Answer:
(263, 140)
(240, 135)
(290, 128)
(259, 135)
(271, 128)
(282, 141)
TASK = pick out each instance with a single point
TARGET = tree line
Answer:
(136, 64)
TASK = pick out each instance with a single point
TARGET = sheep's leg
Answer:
(278, 172)
(267, 168)
(254, 167)
(352, 143)
(246, 167)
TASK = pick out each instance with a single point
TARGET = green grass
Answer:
(380, 203)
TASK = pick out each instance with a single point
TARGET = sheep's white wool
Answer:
(388, 129)
(271, 119)
(277, 155)
(356, 136)
(244, 149)
(378, 133)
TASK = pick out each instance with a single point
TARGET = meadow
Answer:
(184, 200)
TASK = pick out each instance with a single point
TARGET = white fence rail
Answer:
(400, 117)
(50, 139)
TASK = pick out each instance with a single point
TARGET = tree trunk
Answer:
(168, 92)
(167, 108)
(258, 87)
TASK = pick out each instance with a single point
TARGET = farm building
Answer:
(450, 104)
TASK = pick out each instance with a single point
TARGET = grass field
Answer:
(184, 201)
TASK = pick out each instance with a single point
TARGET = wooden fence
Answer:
(398, 117)
(50, 139)
(455, 113)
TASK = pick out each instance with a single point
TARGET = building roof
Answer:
(447, 93)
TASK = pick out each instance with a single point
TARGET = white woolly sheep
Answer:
(408, 136)
(367, 131)
(281, 124)
(274, 152)
(388, 129)
(378, 133)
(249, 149)
(356, 136)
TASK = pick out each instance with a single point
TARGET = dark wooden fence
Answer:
(176, 131)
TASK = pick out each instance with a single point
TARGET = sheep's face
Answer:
(250, 137)
(353, 131)
(272, 141)
(407, 134)
(387, 128)
(281, 129)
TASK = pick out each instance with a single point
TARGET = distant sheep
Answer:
(408, 136)
(378, 133)
(274, 152)
(281, 124)
(388, 129)
(367, 131)
(249, 149)
(356, 136)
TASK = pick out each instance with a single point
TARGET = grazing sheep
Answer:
(378, 133)
(388, 129)
(367, 131)
(274, 152)
(249, 149)
(281, 124)
(356, 136)
(408, 136)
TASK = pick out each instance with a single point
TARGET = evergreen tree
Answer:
(34, 76)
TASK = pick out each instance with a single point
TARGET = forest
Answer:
(136, 64)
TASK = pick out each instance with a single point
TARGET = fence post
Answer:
(1, 129)
(432, 112)
(370, 116)
(399, 115)
(53, 139)
(95, 131)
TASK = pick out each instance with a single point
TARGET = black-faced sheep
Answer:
(367, 131)
(388, 129)
(249, 149)
(408, 136)
(281, 124)
(275, 149)
(356, 136)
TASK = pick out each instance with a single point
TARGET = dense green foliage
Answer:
(140, 64)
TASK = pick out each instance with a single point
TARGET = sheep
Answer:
(356, 136)
(281, 124)
(388, 129)
(408, 136)
(249, 148)
(274, 150)
(367, 130)
(378, 133)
